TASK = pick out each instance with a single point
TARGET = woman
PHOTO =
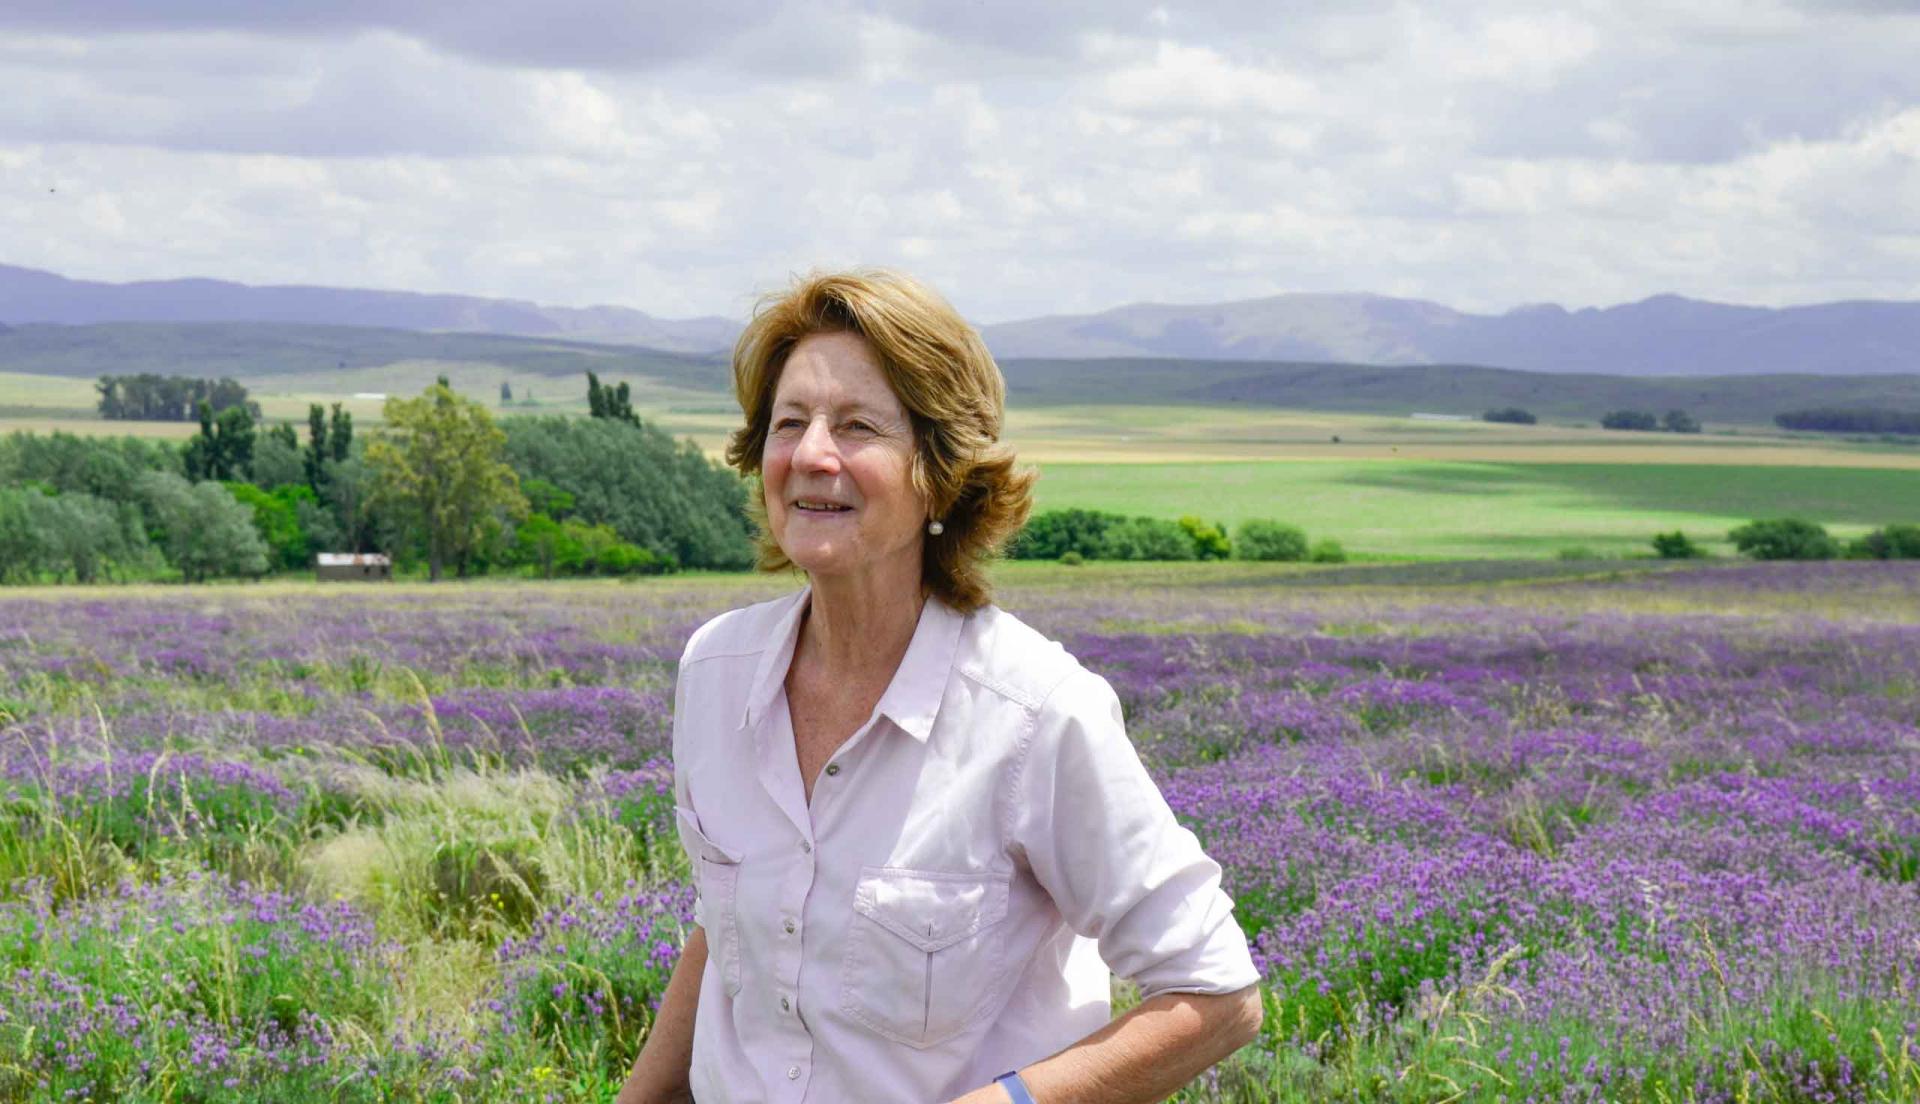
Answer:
(920, 835)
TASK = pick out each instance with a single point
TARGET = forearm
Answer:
(1145, 1055)
(659, 1074)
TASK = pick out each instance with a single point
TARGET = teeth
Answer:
(826, 506)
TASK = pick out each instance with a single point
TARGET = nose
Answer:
(816, 450)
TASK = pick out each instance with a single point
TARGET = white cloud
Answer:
(1027, 160)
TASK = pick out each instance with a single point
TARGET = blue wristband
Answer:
(1016, 1088)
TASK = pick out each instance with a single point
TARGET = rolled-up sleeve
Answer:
(1100, 839)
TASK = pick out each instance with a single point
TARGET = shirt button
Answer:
(807, 846)
(789, 928)
(793, 1073)
(785, 1004)
(833, 768)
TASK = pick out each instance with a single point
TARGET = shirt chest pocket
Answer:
(924, 960)
(716, 873)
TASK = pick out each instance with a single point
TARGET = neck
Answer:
(854, 622)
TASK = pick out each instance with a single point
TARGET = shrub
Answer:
(1327, 550)
(1054, 533)
(1263, 539)
(627, 559)
(1629, 419)
(1072, 558)
(1676, 546)
(1894, 542)
(1679, 421)
(1145, 538)
(1784, 539)
(1209, 541)
(1512, 415)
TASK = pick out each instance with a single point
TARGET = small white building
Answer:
(351, 567)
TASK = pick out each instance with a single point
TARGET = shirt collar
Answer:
(911, 700)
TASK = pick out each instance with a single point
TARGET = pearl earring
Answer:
(934, 528)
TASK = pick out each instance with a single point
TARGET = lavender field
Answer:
(1643, 836)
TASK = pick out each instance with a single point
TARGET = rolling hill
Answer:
(29, 295)
(1665, 335)
(258, 351)
(274, 357)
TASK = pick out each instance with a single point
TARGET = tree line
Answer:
(1076, 535)
(1845, 420)
(153, 398)
(1646, 421)
(442, 487)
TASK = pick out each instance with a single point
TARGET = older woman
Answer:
(920, 835)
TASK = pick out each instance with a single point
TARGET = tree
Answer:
(596, 398)
(1209, 541)
(24, 548)
(506, 393)
(440, 465)
(1850, 420)
(1629, 419)
(57, 533)
(204, 531)
(277, 458)
(1784, 539)
(223, 449)
(1676, 546)
(1146, 538)
(1327, 550)
(545, 498)
(341, 435)
(1512, 415)
(665, 497)
(1679, 421)
(84, 534)
(615, 403)
(154, 398)
(276, 517)
(1892, 542)
(67, 463)
(317, 447)
(110, 403)
(1051, 534)
(1261, 539)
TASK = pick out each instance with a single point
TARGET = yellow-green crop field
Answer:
(1393, 487)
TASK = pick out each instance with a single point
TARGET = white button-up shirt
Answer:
(946, 908)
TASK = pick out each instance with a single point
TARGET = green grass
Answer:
(1439, 509)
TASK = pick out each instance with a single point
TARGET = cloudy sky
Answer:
(1026, 157)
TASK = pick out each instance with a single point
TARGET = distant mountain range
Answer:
(1666, 335)
(29, 295)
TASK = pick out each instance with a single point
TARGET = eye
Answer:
(787, 423)
(859, 426)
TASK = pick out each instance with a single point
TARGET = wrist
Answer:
(1015, 1088)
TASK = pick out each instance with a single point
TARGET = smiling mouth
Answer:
(807, 507)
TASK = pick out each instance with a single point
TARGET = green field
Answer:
(1439, 509)
(1383, 485)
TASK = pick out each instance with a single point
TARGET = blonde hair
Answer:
(942, 374)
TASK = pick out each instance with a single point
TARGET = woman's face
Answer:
(839, 451)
